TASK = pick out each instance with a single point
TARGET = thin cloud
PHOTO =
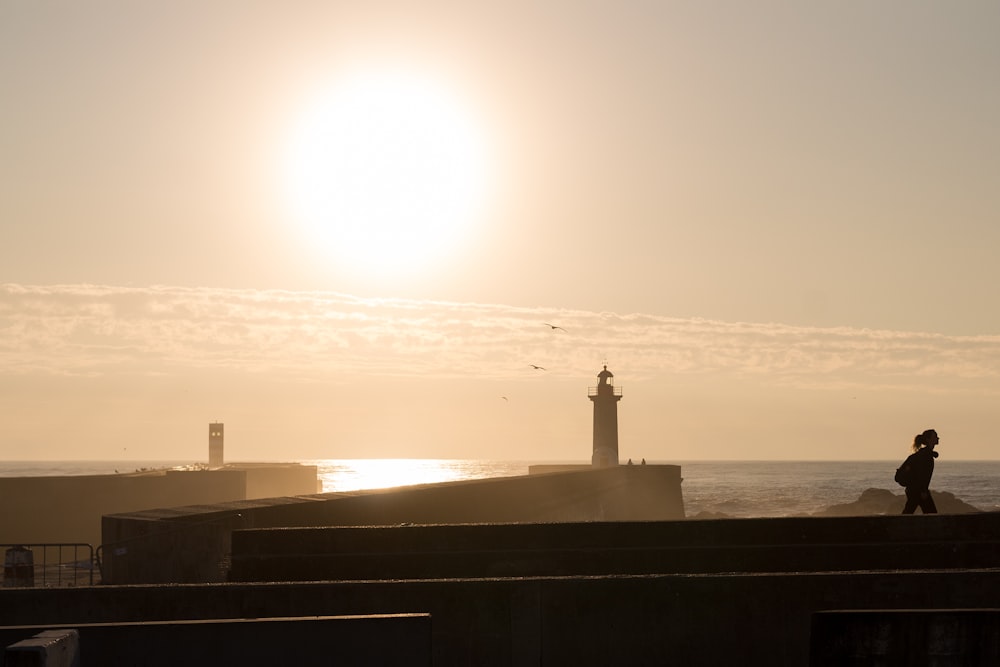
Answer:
(106, 330)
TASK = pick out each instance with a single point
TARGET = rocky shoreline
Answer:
(873, 502)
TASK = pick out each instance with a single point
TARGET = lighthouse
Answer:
(605, 397)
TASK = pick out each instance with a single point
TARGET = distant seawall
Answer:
(69, 509)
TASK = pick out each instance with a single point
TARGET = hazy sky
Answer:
(339, 227)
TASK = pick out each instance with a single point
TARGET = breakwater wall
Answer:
(69, 509)
(193, 544)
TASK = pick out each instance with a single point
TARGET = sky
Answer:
(340, 228)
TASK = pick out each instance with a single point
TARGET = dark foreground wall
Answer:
(910, 637)
(736, 545)
(312, 641)
(691, 620)
(192, 544)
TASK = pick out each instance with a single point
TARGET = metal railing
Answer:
(48, 565)
(596, 391)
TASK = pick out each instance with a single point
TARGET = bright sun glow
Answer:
(386, 473)
(387, 172)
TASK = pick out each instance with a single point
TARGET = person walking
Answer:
(920, 467)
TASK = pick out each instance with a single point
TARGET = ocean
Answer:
(734, 488)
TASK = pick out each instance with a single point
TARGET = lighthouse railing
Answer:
(593, 391)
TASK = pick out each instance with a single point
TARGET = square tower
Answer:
(215, 445)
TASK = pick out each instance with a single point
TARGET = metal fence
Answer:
(48, 565)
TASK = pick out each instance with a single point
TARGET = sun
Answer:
(386, 172)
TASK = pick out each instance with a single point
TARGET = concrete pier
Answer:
(69, 508)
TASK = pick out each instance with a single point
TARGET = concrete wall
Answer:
(193, 544)
(911, 637)
(691, 620)
(48, 648)
(737, 545)
(270, 480)
(69, 509)
(387, 640)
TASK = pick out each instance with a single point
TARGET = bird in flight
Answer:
(552, 326)
(505, 398)
(537, 368)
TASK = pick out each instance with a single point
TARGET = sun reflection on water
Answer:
(357, 474)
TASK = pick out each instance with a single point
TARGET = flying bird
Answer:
(537, 368)
(505, 398)
(553, 327)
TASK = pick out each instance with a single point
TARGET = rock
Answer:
(883, 501)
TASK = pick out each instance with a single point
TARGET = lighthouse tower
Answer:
(605, 397)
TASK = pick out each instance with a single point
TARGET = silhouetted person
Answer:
(920, 466)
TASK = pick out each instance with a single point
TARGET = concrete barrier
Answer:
(911, 637)
(691, 620)
(49, 648)
(192, 544)
(385, 639)
(738, 545)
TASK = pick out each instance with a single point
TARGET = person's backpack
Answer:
(903, 473)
